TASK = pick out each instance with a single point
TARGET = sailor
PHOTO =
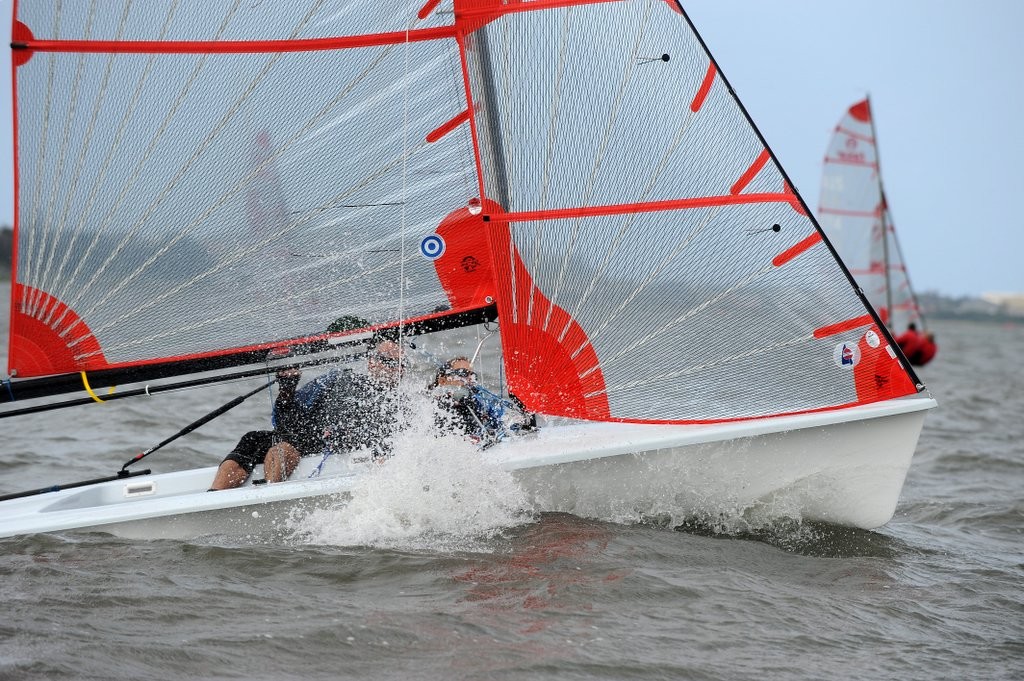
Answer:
(925, 351)
(341, 411)
(466, 408)
(910, 340)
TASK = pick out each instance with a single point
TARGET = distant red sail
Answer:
(855, 216)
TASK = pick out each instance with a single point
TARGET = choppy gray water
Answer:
(401, 587)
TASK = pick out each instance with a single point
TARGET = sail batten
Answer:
(705, 88)
(235, 46)
(731, 199)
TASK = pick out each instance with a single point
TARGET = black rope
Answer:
(71, 485)
(200, 421)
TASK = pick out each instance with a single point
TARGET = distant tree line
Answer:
(6, 240)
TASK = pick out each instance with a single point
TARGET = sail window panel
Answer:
(577, 108)
(850, 190)
(849, 207)
(200, 20)
(187, 204)
(718, 319)
(850, 187)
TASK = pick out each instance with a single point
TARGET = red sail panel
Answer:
(48, 337)
(878, 375)
(552, 367)
(464, 268)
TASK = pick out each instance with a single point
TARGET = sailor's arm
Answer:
(285, 406)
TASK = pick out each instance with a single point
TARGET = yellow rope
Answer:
(85, 382)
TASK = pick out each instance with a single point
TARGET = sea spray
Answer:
(432, 492)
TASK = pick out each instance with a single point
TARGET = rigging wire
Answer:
(399, 402)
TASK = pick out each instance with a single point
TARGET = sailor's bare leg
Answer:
(229, 475)
(280, 461)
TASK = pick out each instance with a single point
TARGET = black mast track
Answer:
(810, 215)
(47, 386)
(884, 211)
(493, 123)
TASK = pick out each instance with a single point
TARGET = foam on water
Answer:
(433, 492)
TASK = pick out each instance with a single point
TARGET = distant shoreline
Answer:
(6, 241)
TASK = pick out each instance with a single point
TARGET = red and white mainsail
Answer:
(199, 178)
(854, 212)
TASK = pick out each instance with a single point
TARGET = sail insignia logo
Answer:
(432, 246)
(851, 154)
(846, 355)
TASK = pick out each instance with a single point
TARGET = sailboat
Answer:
(854, 212)
(223, 189)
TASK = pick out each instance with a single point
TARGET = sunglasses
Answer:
(384, 360)
(460, 373)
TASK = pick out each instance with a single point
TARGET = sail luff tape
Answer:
(94, 396)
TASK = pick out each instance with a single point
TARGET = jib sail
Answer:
(653, 262)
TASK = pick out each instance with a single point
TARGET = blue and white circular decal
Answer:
(432, 246)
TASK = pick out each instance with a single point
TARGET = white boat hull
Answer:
(845, 467)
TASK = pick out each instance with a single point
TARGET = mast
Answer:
(886, 227)
(906, 273)
(883, 206)
(493, 122)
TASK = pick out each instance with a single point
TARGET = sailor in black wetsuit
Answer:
(340, 411)
(465, 408)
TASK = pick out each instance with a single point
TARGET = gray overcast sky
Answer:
(946, 79)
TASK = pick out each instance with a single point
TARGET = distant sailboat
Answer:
(233, 188)
(854, 212)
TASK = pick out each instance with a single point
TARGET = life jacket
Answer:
(909, 342)
(340, 411)
(471, 410)
(924, 353)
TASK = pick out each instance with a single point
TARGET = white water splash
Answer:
(432, 493)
